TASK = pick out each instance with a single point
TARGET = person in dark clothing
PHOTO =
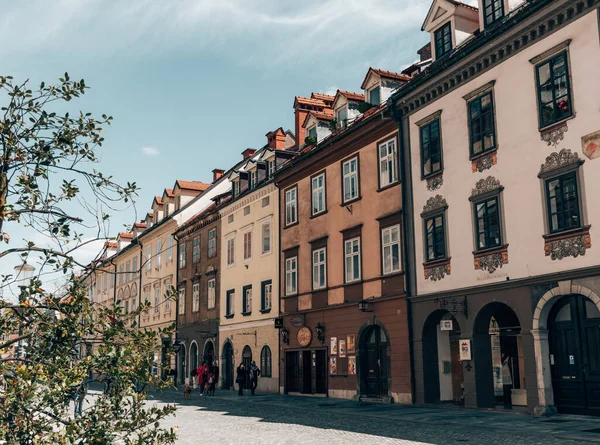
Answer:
(216, 372)
(254, 374)
(241, 378)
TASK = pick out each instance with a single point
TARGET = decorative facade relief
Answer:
(437, 272)
(486, 185)
(590, 145)
(554, 135)
(435, 183)
(484, 162)
(558, 160)
(491, 262)
(435, 203)
(569, 246)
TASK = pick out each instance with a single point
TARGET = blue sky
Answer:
(191, 84)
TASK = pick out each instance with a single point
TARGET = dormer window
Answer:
(312, 132)
(271, 166)
(236, 188)
(375, 96)
(443, 40)
(254, 178)
(166, 210)
(177, 202)
(492, 11)
(341, 114)
(156, 215)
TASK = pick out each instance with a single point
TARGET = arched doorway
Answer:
(247, 361)
(209, 354)
(193, 357)
(181, 375)
(499, 360)
(574, 325)
(374, 362)
(227, 362)
(442, 369)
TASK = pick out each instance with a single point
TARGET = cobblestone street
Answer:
(276, 419)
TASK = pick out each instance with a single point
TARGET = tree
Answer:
(48, 186)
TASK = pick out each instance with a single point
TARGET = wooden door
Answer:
(320, 371)
(227, 366)
(292, 371)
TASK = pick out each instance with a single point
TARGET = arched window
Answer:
(265, 361)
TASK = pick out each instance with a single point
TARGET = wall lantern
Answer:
(364, 306)
(285, 336)
(320, 332)
(176, 347)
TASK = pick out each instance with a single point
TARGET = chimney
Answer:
(299, 116)
(247, 153)
(276, 139)
(425, 52)
(217, 174)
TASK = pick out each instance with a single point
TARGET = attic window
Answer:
(312, 132)
(254, 178)
(341, 114)
(443, 40)
(236, 187)
(156, 215)
(177, 202)
(492, 10)
(166, 209)
(375, 96)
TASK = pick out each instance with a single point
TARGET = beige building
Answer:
(249, 299)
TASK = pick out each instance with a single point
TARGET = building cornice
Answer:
(247, 199)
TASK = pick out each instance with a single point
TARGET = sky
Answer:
(193, 83)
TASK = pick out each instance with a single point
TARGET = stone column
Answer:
(544, 377)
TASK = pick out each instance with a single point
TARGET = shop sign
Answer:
(297, 320)
(465, 350)
(446, 325)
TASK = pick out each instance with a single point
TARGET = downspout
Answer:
(139, 321)
(280, 362)
(176, 260)
(408, 231)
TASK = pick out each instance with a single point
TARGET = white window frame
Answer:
(350, 274)
(196, 250)
(265, 225)
(319, 268)
(170, 248)
(254, 178)
(390, 161)
(158, 252)
(157, 300)
(291, 206)
(181, 302)
(247, 244)
(291, 271)
(316, 191)
(268, 296)
(212, 243)
(182, 255)
(127, 271)
(134, 266)
(350, 176)
(247, 298)
(211, 286)
(149, 257)
(168, 291)
(272, 167)
(195, 297)
(385, 257)
(230, 303)
(230, 253)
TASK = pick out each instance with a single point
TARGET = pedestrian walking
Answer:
(241, 378)
(215, 372)
(202, 372)
(79, 398)
(507, 381)
(254, 374)
(211, 385)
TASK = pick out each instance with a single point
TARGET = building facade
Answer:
(501, 135)
(250, 265)
(344, 323)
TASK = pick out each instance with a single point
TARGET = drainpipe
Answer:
(176, 260)
(140, 262)
(408, 231)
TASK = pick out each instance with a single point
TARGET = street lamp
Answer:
(285, 336)
(364, 306)
(320, 332)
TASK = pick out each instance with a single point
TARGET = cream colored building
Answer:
(250, 266)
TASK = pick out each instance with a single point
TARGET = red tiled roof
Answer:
(192, 185)
(140, 225)
(323, 97)
(457, 3)
(150, 214)
(126, 235)
(350, 95)
(308, 101)
(110, 244)
(158, 200)
(169, 193)
(325, 115)
(386, 74)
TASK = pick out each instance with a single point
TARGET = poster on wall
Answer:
(352, 365)
(351, 348)
(333, 343)
(465, 350)
(332, 365)
(342, 348)
(446, 325)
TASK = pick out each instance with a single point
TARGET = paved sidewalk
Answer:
(347, 420)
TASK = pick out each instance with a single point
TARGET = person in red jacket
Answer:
(202, 372)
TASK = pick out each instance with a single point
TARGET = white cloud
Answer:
(150, 151)
(330, 91)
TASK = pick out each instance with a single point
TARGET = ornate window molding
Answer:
(429, 118)
(437, 271)
(484, 162)
(489, 185)
(491, 260)
(573, 244)
(559, 162)
(435, 182)
(549, 53)
(435, 204)
(479, 91)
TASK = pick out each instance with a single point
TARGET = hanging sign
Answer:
(571, 360)
(297, 320)
(465, 350)
(446, 325)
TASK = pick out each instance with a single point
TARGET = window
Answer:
(231, 251)
(352, 259)
(266, 237)
(435, 238)
(196, 297)
(562, 202)
(181, 301)
(106, 279)
(182, 255)
(211, 292)
(291, 207)
(554, 91)
(341, 115)
(492, 10)
(266, 201)
(265, 361)
(247, 300)
(246, 210)
(168, 294)
(158, 253)
(318, 194)
(212, 243)
(266, 295)
(147, 295)
(291, 276)
(388, 163)
(431, 149)
(122, 273)
(177, 202)
(253, 178)
(157, 300)
(170, 248)
(229, 219)
(443, 41)
(134, 267)
(196, 250)
(166, 209)
(350, 173)
(487, 224)
(312, 132)
(127, 271)
(319, 264)
(126, 311)
(481, 124)
(236, 187)
(390, 242)
(272, 167)
(229, 303)
(248, 245)
(375, 96)
(148, 257)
